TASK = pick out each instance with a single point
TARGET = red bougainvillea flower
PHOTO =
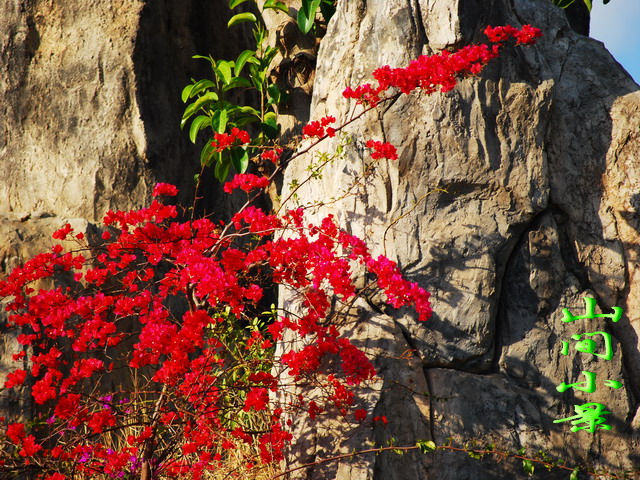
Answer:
(246, 182)
(382, 150)
(63, 232)
(56, 476)
(164, 189)
(381, 419)
(257, 399)
(223, 141)
(526, 35)
(15, 378)
(273, 155)
(317, 128)
(119, 301)
(430, 72)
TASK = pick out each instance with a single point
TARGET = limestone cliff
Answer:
(538, 157)
(91, 99)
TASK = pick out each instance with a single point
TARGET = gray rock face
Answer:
(538, 157)
(91, 100)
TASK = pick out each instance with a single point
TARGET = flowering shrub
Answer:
(149, 354)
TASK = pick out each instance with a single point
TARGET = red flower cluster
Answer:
(15, 378)
(428, 72)
(526, 35)
(246, 182)
(257, 399)
(223, 141)
(273, 155)
(317, 128)
(382, 150)
(165, 189)
(151, 260)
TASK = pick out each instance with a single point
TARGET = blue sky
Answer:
(617, 24)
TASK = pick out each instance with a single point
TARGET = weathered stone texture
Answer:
(91, 99)
(538, 157)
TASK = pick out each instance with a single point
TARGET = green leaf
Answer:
(270, 125)
(588, 4)
(269, 131)
(200, 122)
(574, 474)
(208, 58)
(327, 8)
(200, 86)
(186, 93)
(274, 94)
(240, 159)
(234, 3)
(269, 55)
(528, 467)
(201, 102)
(208, 153)
(271, 118)
(223, 70)
(242, 59)
(219, 121)
(274, 4)
(307, 14)
(237, 82)
(426, 446)
(257, 77)
(250, 111)
(259, 36)
(241, 18)
(222, 169)
(475, 455)
(243, 120)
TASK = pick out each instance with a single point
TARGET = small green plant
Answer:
(217, 104)
(223, 104)
(309, 9)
